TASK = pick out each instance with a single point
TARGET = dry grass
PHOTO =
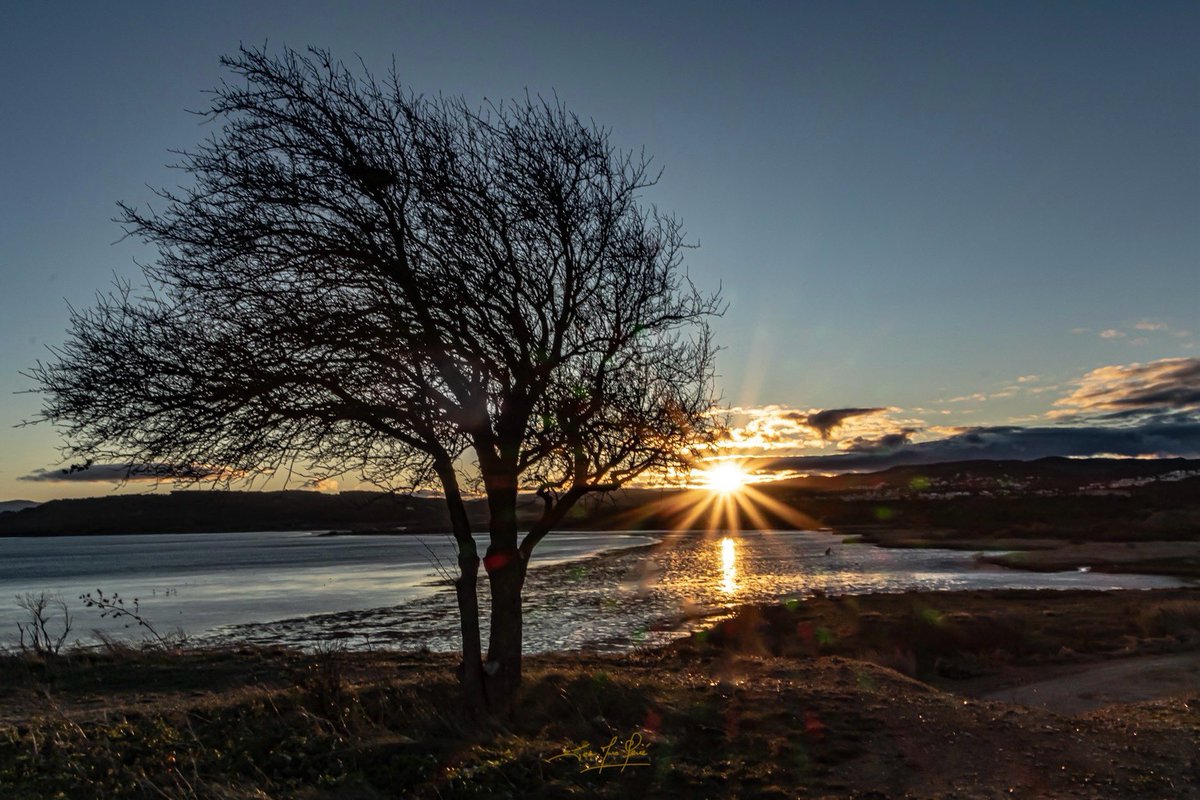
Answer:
(757, 708)
(1178, 618)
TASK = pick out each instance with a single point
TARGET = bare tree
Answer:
(362, 280)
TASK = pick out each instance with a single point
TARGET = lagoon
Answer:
(608, 590)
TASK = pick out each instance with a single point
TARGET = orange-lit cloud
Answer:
(1127, 410)
(768, 429)
(1166, 384)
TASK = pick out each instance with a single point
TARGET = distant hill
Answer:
(1054, 473)
(214, 511)
(15, 505)
(1100, 499)
(1111, 495)
(1081, 499)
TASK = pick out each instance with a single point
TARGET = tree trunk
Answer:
(505, 566)
(466, 590)
(506, 576)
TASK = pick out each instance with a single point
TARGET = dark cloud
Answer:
(1168, 436)
(886, 443)
(1172, 397)
(823, 422)
(115, 473)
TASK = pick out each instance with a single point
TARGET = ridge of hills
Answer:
(1073, 492)
(1055, 472)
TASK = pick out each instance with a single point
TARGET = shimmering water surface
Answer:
(608, 590)
(202, 582)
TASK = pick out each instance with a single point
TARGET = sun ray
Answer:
(724, 499)
(751, 510)
(702, 506)
(796, 519)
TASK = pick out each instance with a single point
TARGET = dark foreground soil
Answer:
(871, 697)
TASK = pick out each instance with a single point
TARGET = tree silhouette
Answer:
(358, 279)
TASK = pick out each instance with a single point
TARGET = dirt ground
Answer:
(1079, 689)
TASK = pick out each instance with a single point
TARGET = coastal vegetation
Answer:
(876, 696)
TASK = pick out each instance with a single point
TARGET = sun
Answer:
(725, 478)
(724, 495)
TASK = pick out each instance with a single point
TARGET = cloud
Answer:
(1173, 436)
(887, 443)
(116, 473)
(1139, 330)
(769, 428)
(778, 428)
(1000, 394)
(1166, 384)
(1140, 409)
(824, 422)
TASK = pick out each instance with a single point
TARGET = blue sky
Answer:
(909, 206)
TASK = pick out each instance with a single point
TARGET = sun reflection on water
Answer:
(728, 565)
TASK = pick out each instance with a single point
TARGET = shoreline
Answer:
(1177, 557)
(603, 597)
(627, 594)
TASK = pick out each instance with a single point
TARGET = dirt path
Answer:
(1127, 680)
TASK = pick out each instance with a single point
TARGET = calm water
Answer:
(201, 582)
(374, 590)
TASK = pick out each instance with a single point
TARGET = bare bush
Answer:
(48, 625)
(115, 607)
